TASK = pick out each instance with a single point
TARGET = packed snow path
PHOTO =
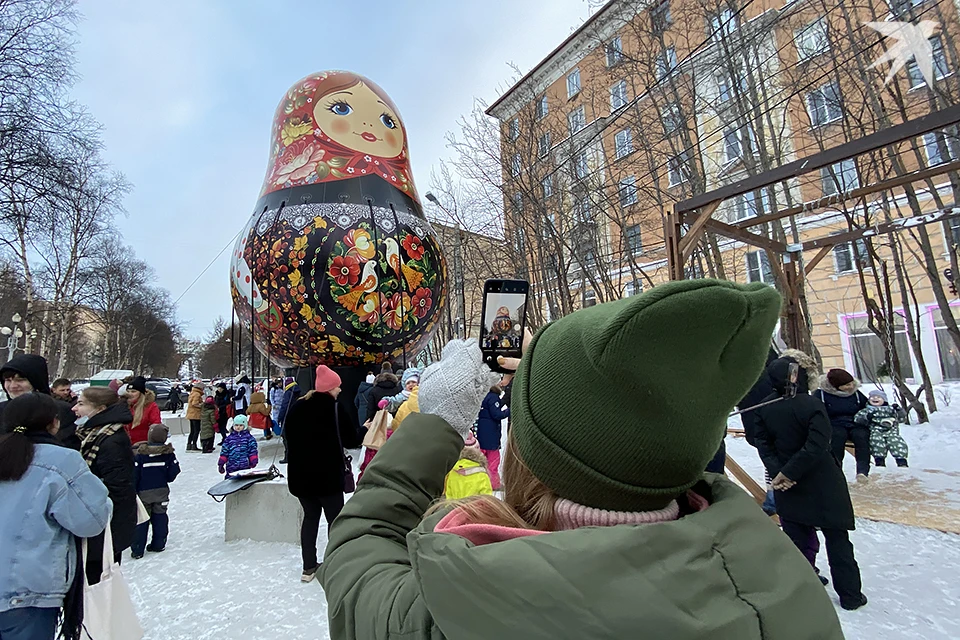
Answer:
(201, 587)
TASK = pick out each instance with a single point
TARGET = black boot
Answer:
(902, 462)
(856, 603)
(880, 462)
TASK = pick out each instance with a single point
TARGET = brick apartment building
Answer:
(647, 104)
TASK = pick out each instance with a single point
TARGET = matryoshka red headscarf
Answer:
(301, 153)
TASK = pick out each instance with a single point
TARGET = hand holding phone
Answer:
(504, 320)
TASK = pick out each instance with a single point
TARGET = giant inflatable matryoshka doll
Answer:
(337, 264)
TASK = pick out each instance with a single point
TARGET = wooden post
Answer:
(671, 237)
(792, 294)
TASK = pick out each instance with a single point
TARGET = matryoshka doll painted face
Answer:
(357, 118)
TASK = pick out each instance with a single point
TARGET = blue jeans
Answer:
(29, 623)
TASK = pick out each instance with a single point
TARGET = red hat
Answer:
(327, 379)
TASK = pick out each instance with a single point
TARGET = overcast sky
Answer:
(186, 90)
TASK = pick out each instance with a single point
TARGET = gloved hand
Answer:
(454, 388)
(221, 468)
(382, 404)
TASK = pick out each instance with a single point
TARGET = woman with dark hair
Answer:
(50, 499)
(223, 400)
(840, 393)
(106, 447)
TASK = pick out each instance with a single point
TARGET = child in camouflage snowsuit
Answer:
(884, 423)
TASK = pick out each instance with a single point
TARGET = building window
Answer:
(940, 68)
(953, 229)
(729, 87)
(515, 165)
(573, 83)
(614, 52)
(549, 224)
(547, 186)
(514, 129)
(581, 209)
(580, 168)
(633, 288)
(824, 104)
(722, 24)
(839, 177)
(867, 348)
(812, 40)
(543, 145)
(660, 17)
(521, 240)
(946, 347)
(746, 205)
(666, 62)
(678, 168)
(627, 190)
(940, 147)
(618, 95)
(623, 143)
(670, 117)
(846, 261)
(736, 143)
(899, 7)
(517, 202)
(633, 240)
(589, 298)
(758, 267)
(576, 119)
(543, 107)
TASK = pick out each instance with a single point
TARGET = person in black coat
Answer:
(840, 393)
(793, 438)
(317, 431)
(223, 400)
(360, 400)
(28, 373)
(106, 447)
(385, 386)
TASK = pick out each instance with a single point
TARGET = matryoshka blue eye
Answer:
(388, 121)
(340, 109)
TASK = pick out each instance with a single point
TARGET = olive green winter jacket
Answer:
(724, 573)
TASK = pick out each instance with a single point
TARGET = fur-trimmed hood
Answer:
(386, 379)
(808, 363)
(146, 449)
(474, 454)
(843, 393)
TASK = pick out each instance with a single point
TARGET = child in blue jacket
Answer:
(239, 450)
(155, 467)
(489, 431)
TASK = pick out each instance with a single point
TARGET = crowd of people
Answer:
(628, 519)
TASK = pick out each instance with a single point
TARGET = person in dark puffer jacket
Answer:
(239, 450)
(840, 393)
(155, 467)
(385, 385)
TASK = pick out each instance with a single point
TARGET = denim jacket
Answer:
(56, 499)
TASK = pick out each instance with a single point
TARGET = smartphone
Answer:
(504, 318)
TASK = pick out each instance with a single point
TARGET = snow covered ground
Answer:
(201, 587)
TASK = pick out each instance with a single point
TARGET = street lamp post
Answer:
(458, 277)
(13, 336)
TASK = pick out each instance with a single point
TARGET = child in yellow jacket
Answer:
(469, 476)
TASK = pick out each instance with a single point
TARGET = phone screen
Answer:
(504, 320)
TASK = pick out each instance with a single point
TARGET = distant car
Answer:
(161, 388)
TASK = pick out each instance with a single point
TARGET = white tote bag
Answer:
(108, 612)
(142, 514)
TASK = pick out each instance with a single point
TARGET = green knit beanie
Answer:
(621, 406)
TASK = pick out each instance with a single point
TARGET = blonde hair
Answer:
(527, 502)
(138, 408)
